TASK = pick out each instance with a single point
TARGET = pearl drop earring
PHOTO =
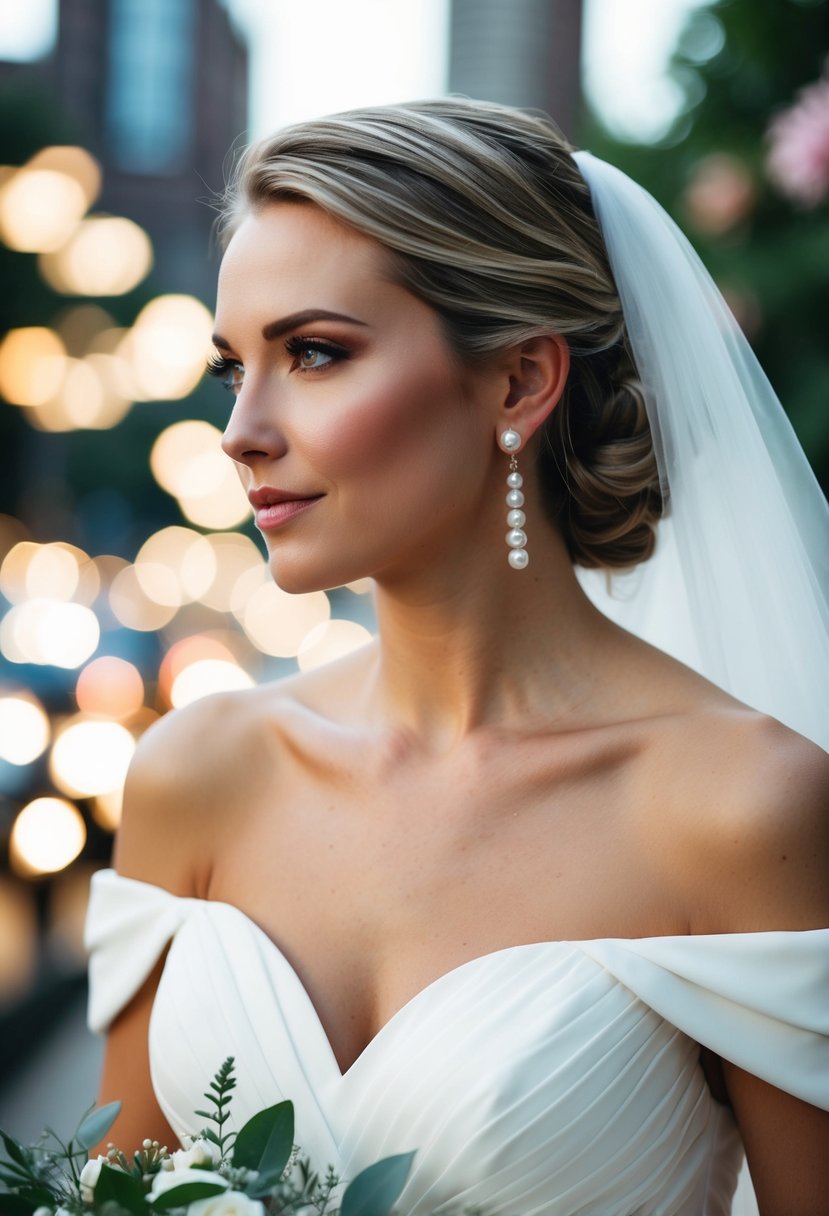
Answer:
(517, 557)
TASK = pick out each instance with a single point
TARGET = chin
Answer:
(302, 578)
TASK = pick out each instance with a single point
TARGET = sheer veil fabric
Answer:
(738, 586)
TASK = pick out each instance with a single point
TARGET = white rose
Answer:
(165, 1180)
(42, 1212)
(89, 1177)
(232, 1203)
(199, 1152)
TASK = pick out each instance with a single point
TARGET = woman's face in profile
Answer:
(347, 396)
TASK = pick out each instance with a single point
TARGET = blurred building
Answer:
(520, 53)
(157, 91)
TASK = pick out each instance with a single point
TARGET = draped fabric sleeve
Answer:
(128, 925)
(760, 1000)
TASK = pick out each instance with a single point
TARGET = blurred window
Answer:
(149, 94)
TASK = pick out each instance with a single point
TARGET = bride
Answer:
(535, 883)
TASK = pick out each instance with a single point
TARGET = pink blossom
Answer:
(798, 158)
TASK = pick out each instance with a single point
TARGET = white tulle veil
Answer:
(738, 586)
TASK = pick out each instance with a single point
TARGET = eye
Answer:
(313, 354)
(228, 371)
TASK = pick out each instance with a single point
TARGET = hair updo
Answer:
(490, 223)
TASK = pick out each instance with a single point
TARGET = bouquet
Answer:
(252, 1172)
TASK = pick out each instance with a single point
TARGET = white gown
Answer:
(560, 1078)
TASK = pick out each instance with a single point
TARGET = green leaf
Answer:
(16, 1151)
(375, 1190)
(263, 1184)
(180, 1196)
(96, 1125)
(266, 1140)
(14, 1175)
(15, 1205)
(121, 1188)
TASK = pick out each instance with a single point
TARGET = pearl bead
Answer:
(518, 558)
(516, 538)
(510, 440)
(515, 481)
(515, 498)
(516, 518)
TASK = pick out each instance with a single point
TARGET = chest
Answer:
(377, 874)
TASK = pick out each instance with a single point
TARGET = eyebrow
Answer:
(275, 329)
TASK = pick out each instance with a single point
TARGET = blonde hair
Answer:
(489, 221)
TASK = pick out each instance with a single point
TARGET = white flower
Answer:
(232, 1203)
(89, 1177)
(199, 1152)
(165, 1180)
(42, 1212)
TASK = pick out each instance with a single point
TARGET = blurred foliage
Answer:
(739, 63)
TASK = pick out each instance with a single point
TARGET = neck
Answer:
(473, 643)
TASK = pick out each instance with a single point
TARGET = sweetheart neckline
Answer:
(445, 977)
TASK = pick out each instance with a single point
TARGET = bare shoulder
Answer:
(190, 771)
(747, 814)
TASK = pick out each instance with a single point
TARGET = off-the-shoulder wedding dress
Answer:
(560, 1078)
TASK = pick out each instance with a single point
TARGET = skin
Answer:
(499, 749)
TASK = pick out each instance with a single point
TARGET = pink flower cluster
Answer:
(798, 158)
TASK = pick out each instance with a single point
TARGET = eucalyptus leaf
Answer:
(96, 1124)
(263, 1184)
(16, 1151)
(14, 1175)
(119, 1187)
(266, 1140)
(181, 1196)
(375, 1190)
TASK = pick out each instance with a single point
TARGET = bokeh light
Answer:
(106, 255)
(188, 462)
(91, 757)
(165, 347)
(111, 687)
(39, 210)
(91, 395)
(54, 571)
(14, 569)
(175, 566)
(72, 161)
(107, 808)
(18, 939)
(132, 607)
(197, 648)
(277, 623)
(24, 728)
(49, 633)
(235, 555)
(207, 676)
(46, 836)
(361, 586)
(32, 365)
(330, 640)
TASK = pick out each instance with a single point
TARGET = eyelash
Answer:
(226, 370)
(298, 345)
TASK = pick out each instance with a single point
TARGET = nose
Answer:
(251, 433)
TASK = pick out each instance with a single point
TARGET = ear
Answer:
(538, 370)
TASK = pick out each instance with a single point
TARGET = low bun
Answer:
(597, 465)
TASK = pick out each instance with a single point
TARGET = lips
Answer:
(274, 507)
(267, 496)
